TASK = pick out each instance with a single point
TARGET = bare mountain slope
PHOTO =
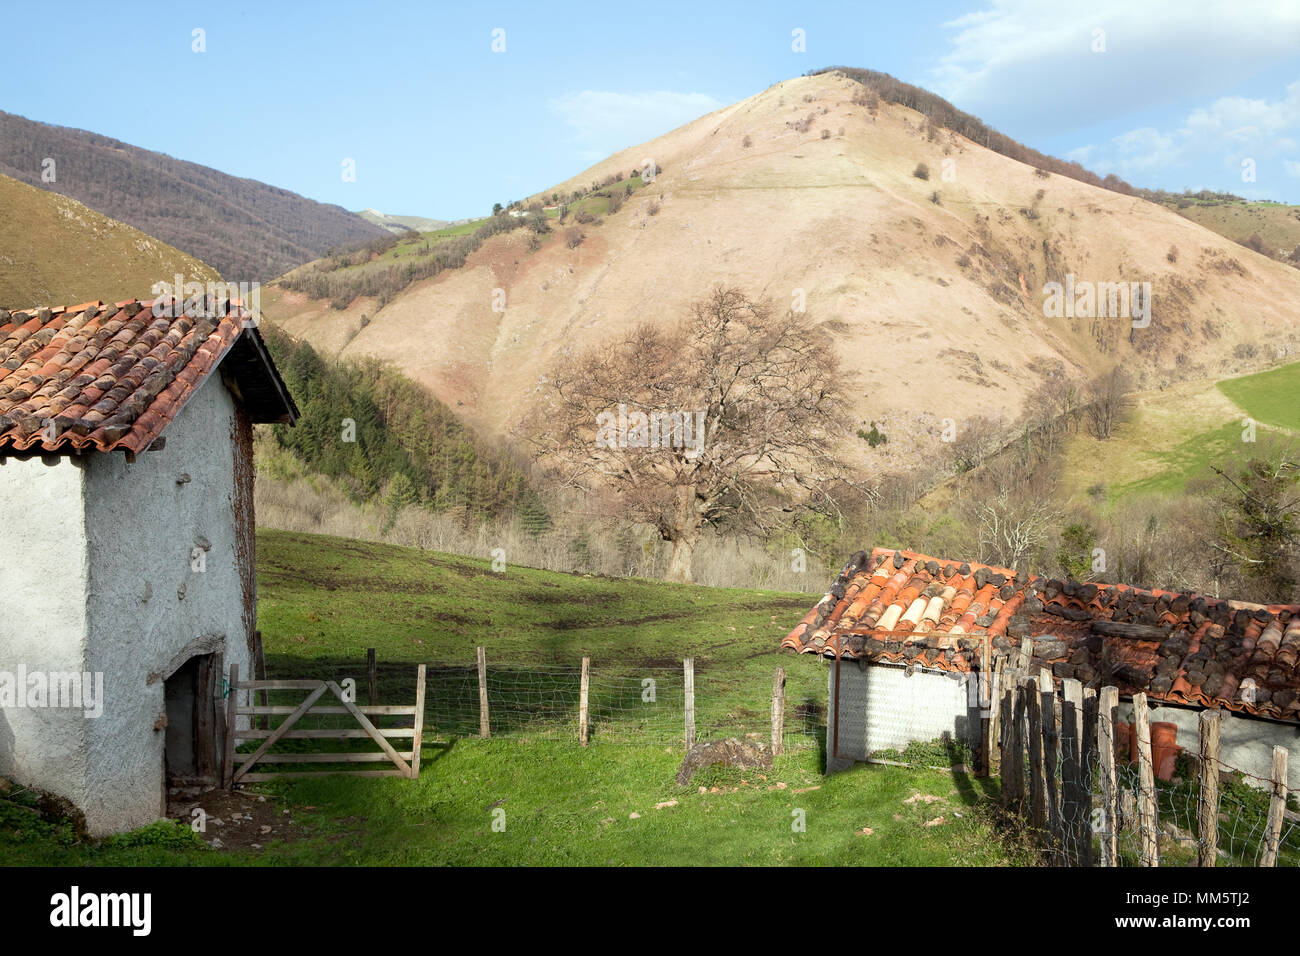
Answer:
(54, 251)
(936, 284)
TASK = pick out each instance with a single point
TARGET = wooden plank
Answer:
(1037, 778)
(1026, 656)
(361, 719)
(984, 688)
(1137, 632)
(255, 777)
(994, 704)
(778, 712)
(1207, 803)
(372, 676)
(217, 705)
(1148, 820)
(584, 691)
(484, 724)
(280, 684)
(279, 732)
(689, 665)
(228, 763)
(1007, 769)
(340, 734)
(382, 709)
(419, 721)
(1276, 809)
(340, 757)
(1019, 738)
(1107, 714)
(1051, 756)
(1076, 796)
(205, 747)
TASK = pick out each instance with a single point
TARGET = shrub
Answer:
(573, 237)
(653, 208)
(934, 197)
(746, 142)
(826, 134)
(875, 437)
(1172, 254)
(922, 171)
(616, 199)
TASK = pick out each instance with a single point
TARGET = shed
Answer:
(127, 536)
(909, 633)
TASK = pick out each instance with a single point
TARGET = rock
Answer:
(665, 804)
(745, 755)
(634, 815)
(937, 821)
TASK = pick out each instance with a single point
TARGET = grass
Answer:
(1271, 397)
(324, 600)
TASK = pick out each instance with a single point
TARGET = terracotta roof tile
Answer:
(102, 378)
(903, 607)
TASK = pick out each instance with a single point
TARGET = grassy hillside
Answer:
(323, 601)
(54, 251)
(1269, 227)
(248, 231)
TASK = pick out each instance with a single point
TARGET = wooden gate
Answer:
(237, 767)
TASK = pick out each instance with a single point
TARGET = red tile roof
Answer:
(904, 607)
(92, 377)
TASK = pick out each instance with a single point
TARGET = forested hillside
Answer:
(376, 432)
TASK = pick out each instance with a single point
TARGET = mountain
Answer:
(247, 230)
(401, 224)
(54, 251)
(929, 252)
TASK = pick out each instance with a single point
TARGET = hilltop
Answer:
(55, 251)
(928, 251)
(247, 230)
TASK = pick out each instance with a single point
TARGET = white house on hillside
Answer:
(126, 544)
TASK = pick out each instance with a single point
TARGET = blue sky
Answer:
(440, 125)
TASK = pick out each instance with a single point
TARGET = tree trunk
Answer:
(679, 566)
(684, 533)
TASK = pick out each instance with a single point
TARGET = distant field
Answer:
(1272, 397)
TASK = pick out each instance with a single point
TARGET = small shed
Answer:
(127, 535)
(909, 634)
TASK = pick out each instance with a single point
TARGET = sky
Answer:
(445, 108)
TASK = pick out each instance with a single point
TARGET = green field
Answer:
(323, 601)
(1271, 397)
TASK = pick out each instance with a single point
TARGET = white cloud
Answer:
(604, 122)
(1156, 51)
(1214, 138)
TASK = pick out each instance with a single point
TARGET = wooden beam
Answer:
(419, 722)
(689, 676)
(1137, 632)
(583, 691)
(1051, 755)
(1037, 778)
(1076, 795)
(228, 764)
(778, 712)
(1207, 803)
(484, 725)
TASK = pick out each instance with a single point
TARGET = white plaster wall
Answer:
(881, 707)
(147, 603)
(1245, 743)
(43, 573)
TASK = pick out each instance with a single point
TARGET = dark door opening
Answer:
(190, 749)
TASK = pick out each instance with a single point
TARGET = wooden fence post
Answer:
(1009, 770)
(1148, 820)
(484, 724)
(689, 676)
(1051, 754)
(228, 764)
(1207, 809)
(372, 675)
(1107, 713)
(1276, 809)
(584, 702)
(1019, 737)
(1037, 780)
(778, 712)
(1076, 794)
(417, 741)
(1026, 655)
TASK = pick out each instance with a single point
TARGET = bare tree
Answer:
(1108, 401)
(1014, 513)
(732, 417)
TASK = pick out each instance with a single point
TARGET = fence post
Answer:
(1026, 655)
(1019, 736)
(1276, 809)
(584, 698)
(1107, 713)
(228, 765)
(484, 727)
(1051, 755)
(372, 676)
(778, 712)
(1207, 810)
(1010, 772)
(259, 673)
(1037, 781)
(689, 675)
(417, 740)
(1076, 796)
(1148, 822)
